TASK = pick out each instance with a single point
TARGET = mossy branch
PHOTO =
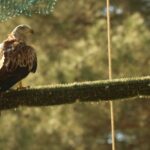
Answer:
(83, 92)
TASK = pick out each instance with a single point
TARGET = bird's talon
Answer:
(23, 88)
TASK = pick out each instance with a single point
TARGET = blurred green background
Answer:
(71, 45)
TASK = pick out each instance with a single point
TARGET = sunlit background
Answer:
(71, 44)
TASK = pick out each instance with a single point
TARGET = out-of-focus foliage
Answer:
(72, 46)
(129, 7)
(13, 8)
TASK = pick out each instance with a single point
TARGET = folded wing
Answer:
(17, 60)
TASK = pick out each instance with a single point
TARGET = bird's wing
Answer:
(16, 61)
(16, 55)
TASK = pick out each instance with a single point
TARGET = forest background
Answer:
(71, 45)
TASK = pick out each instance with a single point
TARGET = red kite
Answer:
(17, 59)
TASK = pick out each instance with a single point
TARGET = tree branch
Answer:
(83, 92)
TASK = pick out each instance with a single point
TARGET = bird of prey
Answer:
(17, 58)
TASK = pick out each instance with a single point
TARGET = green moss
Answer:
(103, 90)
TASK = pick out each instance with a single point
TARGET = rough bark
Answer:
(94, 91)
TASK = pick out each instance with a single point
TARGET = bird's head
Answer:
(22, 32)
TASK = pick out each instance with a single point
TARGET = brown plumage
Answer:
(17, 59)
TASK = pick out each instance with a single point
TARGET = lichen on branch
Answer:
(95, 91)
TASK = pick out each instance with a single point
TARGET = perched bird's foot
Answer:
(23, 88)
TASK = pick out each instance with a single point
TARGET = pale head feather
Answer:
(22, 32)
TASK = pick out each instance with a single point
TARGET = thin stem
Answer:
(110, 74)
